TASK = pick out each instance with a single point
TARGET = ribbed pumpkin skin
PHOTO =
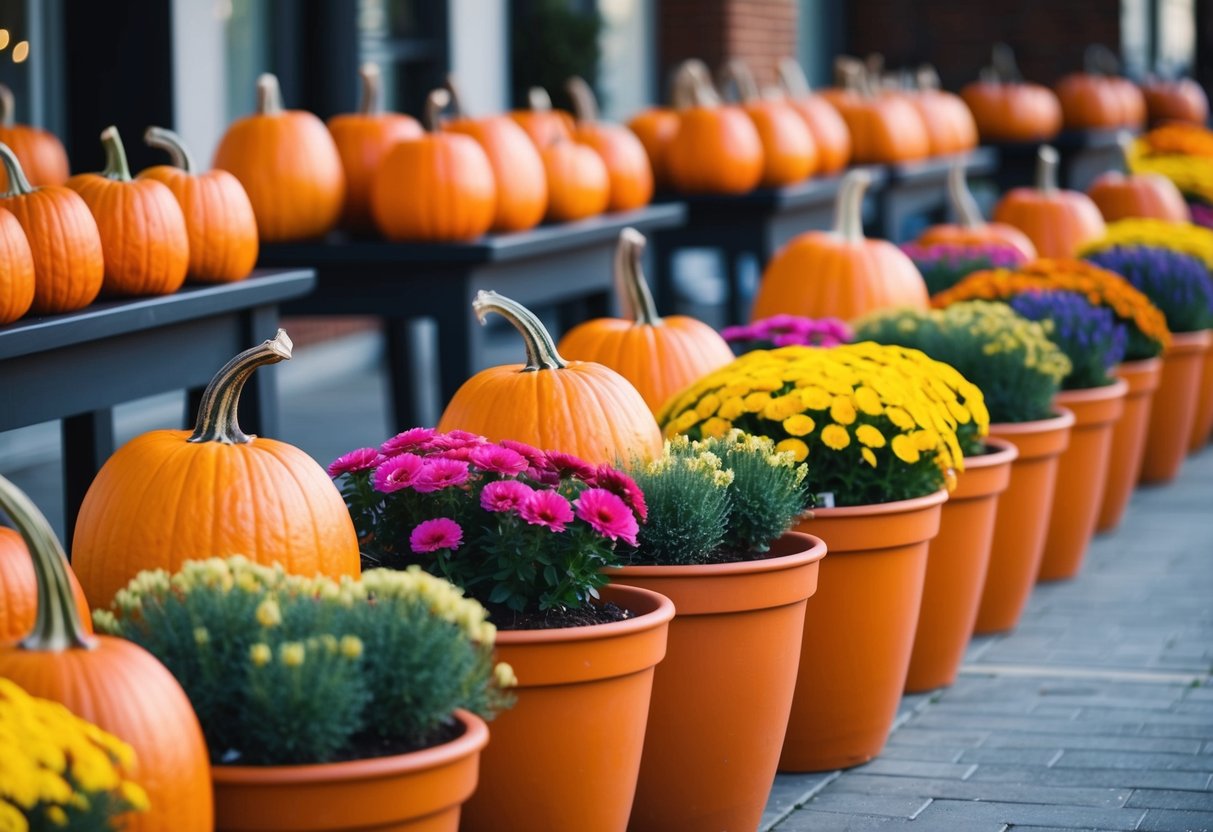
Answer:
(829, 131)
(16, 270)
(1182, 100)
(160, 501)
(362, 143)
(518, 170)
(544, 126)
(817, 275)
(996, 233)
(143, 238)
(1120, 197)
(886, 129)
(579, 185)
(627, 163)
(219, 222)
(584, 409)
(436, 187)
(1013, 112)
(655, 128)
(1057, 223)
(1093, 101)
(714, 150)
(950, 125)
(41, 154)
(66, 246)
(789, 154)
(122, 689)
(19, 590)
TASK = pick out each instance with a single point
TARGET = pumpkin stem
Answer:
(1098, 59)
(539, 100)
(1003, 63)
(116, 167)
(18, 184)
(217, 413)
(701, 89)
(927, 78)
(585, 103)
(8, 107)
(57, 626)
(372, 91)
(737, 73)
(269, 94)
(791, 75)
(1046, 169)
(848, 210)
(963, 205)
(1124, 140)
(540, 348)
(630, 285)
(437, 101)
(165, 139)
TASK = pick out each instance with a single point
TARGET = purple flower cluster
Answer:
(1089, 335)
(1202, 214)
(787, 331)
(946, 264)
(1177, 283)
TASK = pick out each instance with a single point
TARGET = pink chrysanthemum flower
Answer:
(397, 472)
(499, 460)
(362, 459)
(532, 454)
(438, 474)
(607, 514)
(569, 464)
(456, 439)
(410, 440)
(463, 454)
(547, 508)
(619, 483)
(505, 495)
(432, 535)
(544, 476)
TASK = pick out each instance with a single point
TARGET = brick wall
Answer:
(757, 31)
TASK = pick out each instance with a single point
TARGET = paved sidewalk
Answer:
(1096, 713)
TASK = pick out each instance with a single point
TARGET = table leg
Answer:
(410, 362)
(664, 252)
(88, 441)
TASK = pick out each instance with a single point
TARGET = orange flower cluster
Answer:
(1100, 286)
(1180, 139)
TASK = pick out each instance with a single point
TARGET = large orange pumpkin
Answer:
(40, 151)
(110, 682)
(655, 128)
(885, 127)
(827, 127)
(716, 148)
(219, 219)
(522, 187)
(1120, 197)
(839, 273)
(363, 139)
(436, 187)
(579, 184)
(63, 240)
(970, 229)
(578, 407)
(289, 166)
(1098, 98)
(1008, 109)
(950, 125)
(625, 158)
(143, 236)
(1057, 221)
(169, 496)
(789, 153)
(543, 124)
(1180, 100)
(19, 589)
(659, 356)
(16, 270)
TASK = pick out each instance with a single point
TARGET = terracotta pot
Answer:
(1081, 474)
(566, 756)
(1174, 409)
(1128, 439)
(721, 696)
(956, 567)
(858, 631)
(417, 792)
(1202, 424)
(1023, 518)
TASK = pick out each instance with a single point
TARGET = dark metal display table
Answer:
(919, 189)
(563, 269)
(1084, 154)
(77, 367)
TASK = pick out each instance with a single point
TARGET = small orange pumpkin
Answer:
(579, 184)
(437, 187)
(659, 356)
(789, 154)
(1058, 222)
(950, 125)
(839, 273)
(827, 127)
(885, 127)
(1179, 100)
(143, 236)
(63, 240)
(716, 148)
(625, 158)
(1120, 197)
(970, 229)
(40, 151)
(578, 407)
(1008, 109)
(16, 270)
(219, 219)
(543, 124)
(655, 127)
(19, 589)
(289, 166)
(1097, 98)
(169, 496)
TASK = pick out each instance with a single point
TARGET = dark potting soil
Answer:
(367, 746)
(556, 619)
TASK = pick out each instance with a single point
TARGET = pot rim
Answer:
(660, 610)
(1063, 419)
(815, 550)
(1141, 365)
(1187, 342)
(1116, 389)
(1005, 452)
(895, 507)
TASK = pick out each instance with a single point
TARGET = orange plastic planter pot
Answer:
(566, 756)
(956, 567)
(1128, 439)
(721, 696)
(1081, 474)
(1202, 425)
(1023, 518)
(858, 631)
(417, 792)
(1174, 409)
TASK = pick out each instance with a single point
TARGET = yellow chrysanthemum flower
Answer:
(870, 436)
(798, 449)
(835, 437)
(868, 456)
(260, 654)
(715, 427)
(842, 410)
(799, 425)
(905, 449)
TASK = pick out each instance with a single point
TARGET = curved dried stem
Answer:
(8, 107)
(964, 206)
(736, 74)
(217, 413)
(1046, 169)
(793, 79)
(538, 100)
(372, 89)
(848, 210)
(164, 139)
(541, 351)
(437, 101)
(630, 285)
(269, 95)
(18, 183)
(116, 167)
(585, 103)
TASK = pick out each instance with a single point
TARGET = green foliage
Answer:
(768, 492)
(688, 501)
(551, 41)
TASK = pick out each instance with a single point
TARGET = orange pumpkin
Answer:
(436, 187)
(578, 407)
(289, 166)
(1058, 222)
(625, 158)
(63, 240)
(655, 128)
(716, 148)
(543, 124)
(219, 220)
(40, 151)
(1008, 109)
(169, 496)
(829, 130)
(16, 270)
(19, 589)
(579, 184)
(839, 273)
(1180, 100)
(1119, 196)
(659, 356)
(522, 188)
(110, 682)
(363, 139)
(885, 127)
(1098, 98)
(143, 236)
(950, 125)
(970, 229)
(789, 153)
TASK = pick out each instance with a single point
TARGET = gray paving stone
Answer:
(1169, 820)
(1066, 817)
(924, 731)
(996, 724)
(1172, 799)
(921, 753)
(1071, 740)
(976, 790)
(1013, 756)
(1133, 760)
(808, 820)
(885, 805)
(913, 768)
(1092, 777)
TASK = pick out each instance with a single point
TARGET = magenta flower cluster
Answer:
(787, 331)
(945, 264)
